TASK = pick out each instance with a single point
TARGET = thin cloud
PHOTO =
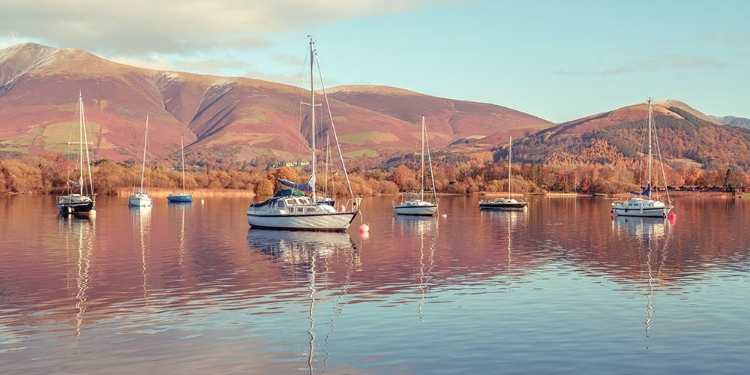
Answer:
(147, 62)
(668, 62)
(289, 60)
(212, 66)
(178, 27)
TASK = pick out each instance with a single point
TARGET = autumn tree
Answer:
(264, 188)
(403, 176)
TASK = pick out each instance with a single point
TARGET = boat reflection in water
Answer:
(302, 251)
(425, 229)
(652, 236)
(80, 232)
(141, 217)
(509, 221)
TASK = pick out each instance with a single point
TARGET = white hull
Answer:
(336, 221)
(639, 207)
(645, 207)
(139, 201)
(425, 210)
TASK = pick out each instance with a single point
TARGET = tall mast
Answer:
(328, 152)
(182, 152)
(650, 119)
(510, 152)
(312, 111)
(80, 140)
(145, 143)
(421, 187)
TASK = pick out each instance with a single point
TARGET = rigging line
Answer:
(70, 144)
(299, 108)
(84, 130)
(661, 164)
(333, 127)
(429, 160)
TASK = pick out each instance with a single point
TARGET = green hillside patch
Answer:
(679, 163)
(364, 137)
(254, 115)
(247, 139)
(57, 136)
(474, 137)
(367, 152)
(341, 120)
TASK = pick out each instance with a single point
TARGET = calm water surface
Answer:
(560, 288)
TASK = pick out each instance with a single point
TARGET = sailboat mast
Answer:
(421, 187)
(80, 141)
(510, 152)
(145, 142)
(650, 120)
(312, 111)
(328, 152)
(182, 153)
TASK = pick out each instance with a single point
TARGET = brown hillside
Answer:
(448, 120)
(619, 137)
(219, 117)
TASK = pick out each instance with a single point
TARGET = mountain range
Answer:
(241, 119)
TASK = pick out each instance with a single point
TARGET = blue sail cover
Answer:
(645, 193)
(307, 186)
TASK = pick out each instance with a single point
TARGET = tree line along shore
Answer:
(49, 174)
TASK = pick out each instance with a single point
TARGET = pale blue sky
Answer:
(559, 60)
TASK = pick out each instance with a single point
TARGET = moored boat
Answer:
(643, 205)
(181, 197)
(418, 205)
(290, 209)
(81, 202)
(140, 197)
(507, 204)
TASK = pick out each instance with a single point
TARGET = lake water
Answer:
(560, 288)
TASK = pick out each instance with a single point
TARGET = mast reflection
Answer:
(301, 251)
(652, 236)
(426, 229)
(141, 217)
(80, 232)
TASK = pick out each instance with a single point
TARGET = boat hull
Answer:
(642, 212)
(334, 221)
(139, 200)
(519, 206)
(638, 207)
(415, 210)
(180, 198)
(75, 204)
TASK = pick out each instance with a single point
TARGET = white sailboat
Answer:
(645, 207)
(183, 196)
(420, 206)
(140, 197)
(290, 209)
(506, 204)
(82, 202)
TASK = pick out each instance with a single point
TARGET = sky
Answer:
(558, 60)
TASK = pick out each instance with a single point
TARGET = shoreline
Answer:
(163, 193)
